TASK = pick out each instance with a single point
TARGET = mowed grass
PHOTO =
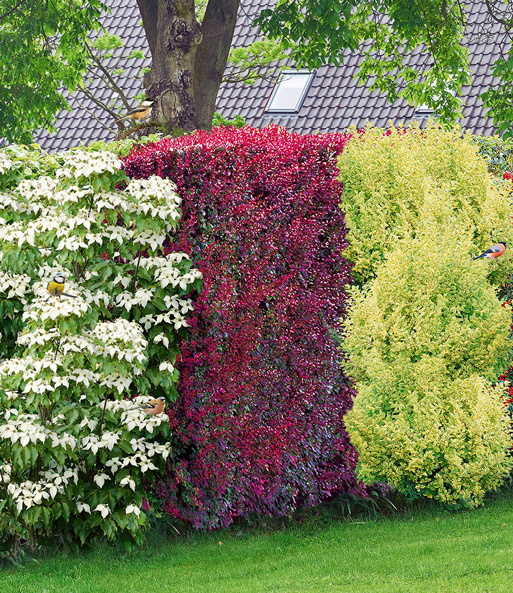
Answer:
(430, 550)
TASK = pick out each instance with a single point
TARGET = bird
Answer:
(139, 112)
(154, 407)
(56, 286)
(494, 252)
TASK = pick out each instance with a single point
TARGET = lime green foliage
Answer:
(200, 7)
(387, 178)
(422, 340)
(107, 43)
(124, 147)
(419, 552)
(137, 53)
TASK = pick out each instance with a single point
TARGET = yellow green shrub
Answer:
(387, 178)
(423, 339)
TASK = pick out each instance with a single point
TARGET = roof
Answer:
(335, 99)
(333, 102)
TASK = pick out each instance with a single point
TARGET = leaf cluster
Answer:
(389, 175)
(42, 49)
(498, 153)
(423, 340)
(262, 59)
(387, 34)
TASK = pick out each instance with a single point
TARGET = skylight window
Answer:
(424, 110)
(288, 95)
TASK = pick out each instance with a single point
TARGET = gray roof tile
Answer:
(334, 102)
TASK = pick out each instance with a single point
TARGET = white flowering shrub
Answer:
(77, 372)
(18, 162)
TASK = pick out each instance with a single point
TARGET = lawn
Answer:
(430, 550)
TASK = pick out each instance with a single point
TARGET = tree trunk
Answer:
(173, 36)
(218, 26)
(188, 60)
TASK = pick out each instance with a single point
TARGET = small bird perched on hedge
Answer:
(56, 286)
(154, 407)
(494, 252)
(139, 112)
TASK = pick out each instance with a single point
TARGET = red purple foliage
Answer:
(258, 424)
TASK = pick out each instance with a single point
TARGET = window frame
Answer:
(424, 110)
(299, 104)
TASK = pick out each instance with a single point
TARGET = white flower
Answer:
(180, 323)
(114, 464)
(26, 429)
(127, 481)
(80, 163)
(122, 339)
(14, 285)
(104, 509)
(83, 507)
(166, 366)
(109, 439)
(5, 473)
(28, 493)
(133, 509)
(53, 308)
(91, 424)
(5, 163)
(146, 464)
(162, 338)
(100, 479)
(91, 442)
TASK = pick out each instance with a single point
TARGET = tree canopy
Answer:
(388, 32)
(43, 49)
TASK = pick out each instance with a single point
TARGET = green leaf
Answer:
(125, 446)
(65, 510)
(97, 184)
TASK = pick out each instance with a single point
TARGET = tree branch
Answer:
(91, 113)
(129, 131)
(134, 281)
(96, 101)
(495, 17)
(100, 426)
(462, 12)
(13, 9)
(240, 75)
(109, 77)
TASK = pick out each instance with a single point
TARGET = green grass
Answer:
(427, 551)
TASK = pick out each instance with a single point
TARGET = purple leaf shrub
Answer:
(259, 422)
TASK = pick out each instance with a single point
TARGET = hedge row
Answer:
(258, 424)
(427, 333)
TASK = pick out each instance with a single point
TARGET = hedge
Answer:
(259, 420)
